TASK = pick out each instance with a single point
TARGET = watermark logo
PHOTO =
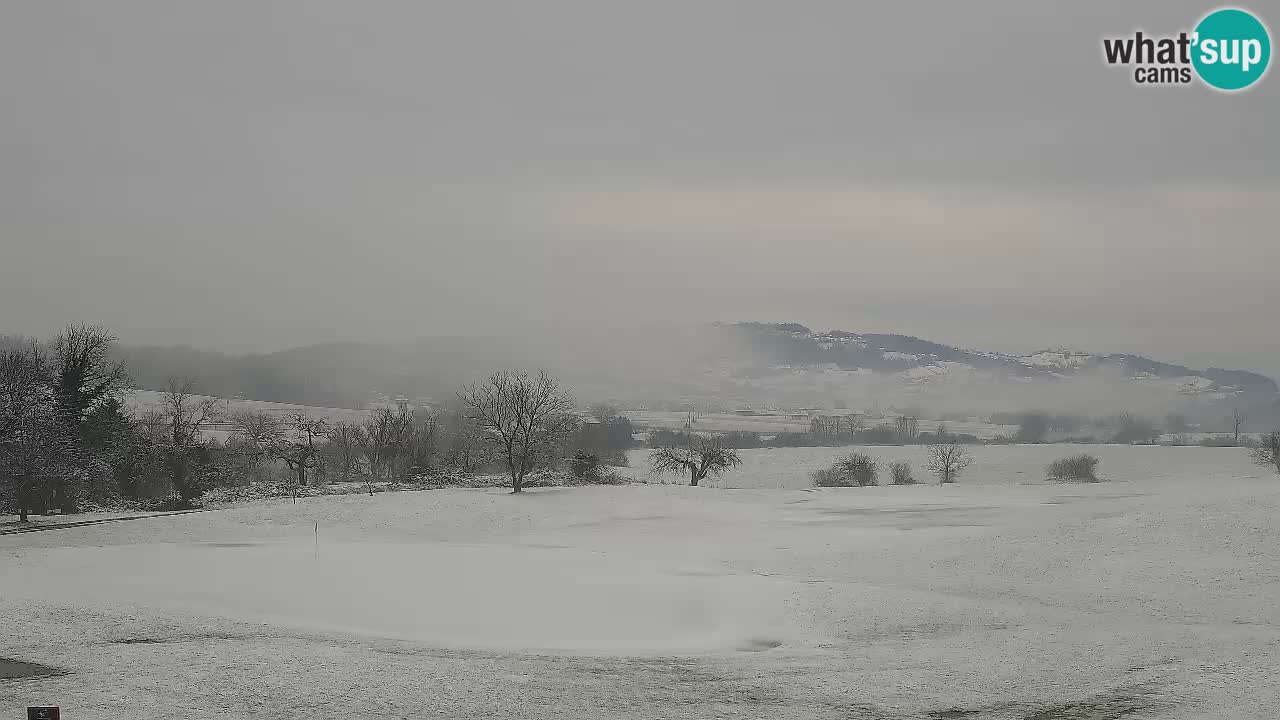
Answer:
(1234, 49)
(1229, 50)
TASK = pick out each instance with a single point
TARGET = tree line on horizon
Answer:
(69, 442)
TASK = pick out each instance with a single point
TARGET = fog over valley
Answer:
(647, 360)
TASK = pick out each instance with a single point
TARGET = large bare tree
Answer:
(529, 417)
(699, 456)
(947, 460)
(297, 447)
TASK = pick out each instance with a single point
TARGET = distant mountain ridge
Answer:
(721, 366)
(794, 345)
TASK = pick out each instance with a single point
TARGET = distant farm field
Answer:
(768, 424)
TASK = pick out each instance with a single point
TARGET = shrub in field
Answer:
(1267, 452)
(1131, 429)
(585, 465)
(169, 504)
(616, 458)
(587, 469)
(827, 477)
(901, 473)
(854, 470)
(1077, 468)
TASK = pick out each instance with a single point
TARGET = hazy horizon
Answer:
(248, 177)
(233, 351)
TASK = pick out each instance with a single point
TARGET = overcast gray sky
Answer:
(255, 175)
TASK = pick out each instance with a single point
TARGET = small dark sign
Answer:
(43, 713)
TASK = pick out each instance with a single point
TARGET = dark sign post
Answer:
(43, 713)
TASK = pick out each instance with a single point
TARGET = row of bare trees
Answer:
(64, 430)
(521, 422)
(62, 419)
(389, 443)
(1126, 427)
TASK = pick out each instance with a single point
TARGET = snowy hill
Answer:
(723, 367)
(918, 360)
(896, 369)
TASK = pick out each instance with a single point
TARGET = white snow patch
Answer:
(544, 599)
(1056, 359)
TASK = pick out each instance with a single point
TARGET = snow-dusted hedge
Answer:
(901, 474)
(853, 470)
(1077, 468)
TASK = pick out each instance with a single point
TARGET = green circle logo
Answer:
(1231, 49)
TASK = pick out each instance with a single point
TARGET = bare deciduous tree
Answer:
(700, 456)
(948, 460)
(908, 428)
(421, 440)
(603, 412)
(255, 437)
(154, 424)
(529, 417)
(386, 433)
(343, 444)
(1237, 422)
(463, 440)
(297, 447)
(185, 415)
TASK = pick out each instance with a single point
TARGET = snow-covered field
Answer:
(143, 400)
(219, 427)
(1149, 596)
